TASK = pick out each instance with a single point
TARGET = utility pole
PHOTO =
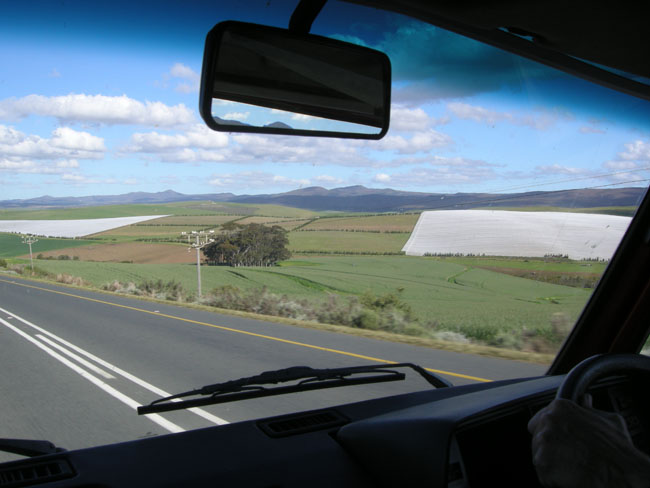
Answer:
(30, 240)
(202, 239)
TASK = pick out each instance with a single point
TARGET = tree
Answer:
(249, 245)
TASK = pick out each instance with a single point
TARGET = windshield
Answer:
(142, 254)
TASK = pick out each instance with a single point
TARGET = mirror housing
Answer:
(320, 82)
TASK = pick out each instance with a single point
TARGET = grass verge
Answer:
(477, 349)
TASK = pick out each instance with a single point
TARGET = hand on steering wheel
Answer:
(576, 445)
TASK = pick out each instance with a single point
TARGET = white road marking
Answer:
(77, 358)
(140, 382)
(163, 422)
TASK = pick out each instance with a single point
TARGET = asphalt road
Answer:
(75, 364)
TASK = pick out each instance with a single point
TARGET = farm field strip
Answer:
(352, 242)
(70, 228)
(372, 223)
(11, 245)
(290, 225)
(268, 220)
(172, 231)
(195, 220)
(126, 252)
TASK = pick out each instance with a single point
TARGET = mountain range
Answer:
(361, 199)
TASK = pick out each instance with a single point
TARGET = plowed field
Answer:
(136, 252)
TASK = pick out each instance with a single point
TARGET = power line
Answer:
(30, 240)
(519, 195)
(568, 180)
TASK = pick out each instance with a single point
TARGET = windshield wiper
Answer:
(28, 447)
(308, 379)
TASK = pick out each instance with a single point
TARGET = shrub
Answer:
(170, 290)
(449, 336)
(70, 280)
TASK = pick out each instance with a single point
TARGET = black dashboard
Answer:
(467, 436)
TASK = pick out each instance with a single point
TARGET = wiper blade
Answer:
(28, 447)
(308, 379)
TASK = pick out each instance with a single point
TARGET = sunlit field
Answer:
(340, 261)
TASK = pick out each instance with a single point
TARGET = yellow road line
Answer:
(239, 331)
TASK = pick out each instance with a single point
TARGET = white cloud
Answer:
(637, 150)
(328, 180)
(9, 135)
(99, 109)
(65, 143)
(558, 169)
(419, 142)
(439, 177)
(255, 179)
(70, 163)
(236, 116)
(193, 79)
(67, 138)
(77, 179)
(74, 177)
(200, 144)
(382, 178)
(441, 171)
(620, 165)
(407, 119)
(34, 167)
(540, 120)
(22, 153)
(302, 117)
(477, 114)
(286, 149)
(610, 172)
(179, 70)
(293, 115)
(197, 136)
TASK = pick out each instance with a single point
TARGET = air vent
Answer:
(33, 473)
(301, 423)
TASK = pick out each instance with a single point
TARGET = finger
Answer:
(534, 422)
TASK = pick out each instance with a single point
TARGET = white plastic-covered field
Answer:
(70, 228)
(508, 233)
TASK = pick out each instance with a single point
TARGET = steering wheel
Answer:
(582, 375)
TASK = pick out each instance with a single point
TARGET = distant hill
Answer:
(361, 199)
(167, 196)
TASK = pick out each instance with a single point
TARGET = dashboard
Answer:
(466, 436)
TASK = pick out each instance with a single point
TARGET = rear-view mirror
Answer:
(269, 80)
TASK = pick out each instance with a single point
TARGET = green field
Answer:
(448, 295)
(11, 245)
(342, 242)
(534, 264)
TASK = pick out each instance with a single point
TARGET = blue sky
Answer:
(101, 98)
